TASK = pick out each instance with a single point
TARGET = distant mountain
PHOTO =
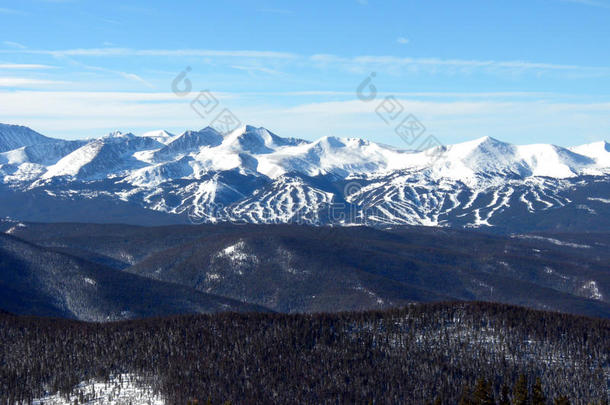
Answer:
(188, 142)
(16, 136)
(40, 281)
(159, 136)
(253, 175)
(292, 268)
(598, 151)
(102, 158)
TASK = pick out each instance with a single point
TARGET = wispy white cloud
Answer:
(26, 82)
(24, 66)
(451, 108)
(353, 64)
(257, 69)
(439, 95)
(13, 44)
(134, 77)
(402, 40)
(158, 52)
(393, 61)
(126, 75)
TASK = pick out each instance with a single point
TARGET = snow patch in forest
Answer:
(604, 200)
(90, 281)
(549, 270)
(237, 253)
(233, 251)
(120, 389)
(212, 277)
(586, 208)
(284, 259)
(371, 294)
(126, 257)
(593, 290)
(14, 228)
(554, 241)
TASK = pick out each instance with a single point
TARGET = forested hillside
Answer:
(419, 354)
(291, 268)
(38, 281)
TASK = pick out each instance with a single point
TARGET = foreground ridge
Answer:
(409, 355)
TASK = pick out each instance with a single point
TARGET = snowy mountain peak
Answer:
(108, 156)
(159, 135)
(256, 175)
(207, 136)
(598, 151)
(251, 139)
(468, 160)
(485, 156)
(486, 140)
(592, 149)
(113, 134)
(259, 140)
(250, 128)
(118, 135)
(483, 144)
(332, 141)
(17, 136)
(189, 142)
(599, 145)
(253, 149)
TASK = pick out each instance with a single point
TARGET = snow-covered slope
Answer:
(489, 156)
(190, 141)
(159, 136)
(101, 158)
(598, 151)
(255, 175)
(120, 389)
(45, 154)
(339, 156)
(16, 136)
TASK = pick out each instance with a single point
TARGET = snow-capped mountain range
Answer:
(253, 175)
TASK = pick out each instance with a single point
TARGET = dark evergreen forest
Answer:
(444, 353)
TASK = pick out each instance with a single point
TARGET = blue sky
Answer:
(520, 71)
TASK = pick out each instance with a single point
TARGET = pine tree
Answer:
(505, 395)
(538, 397)
(465, 398)
(520, 391)
(483, 394)
(562, 400)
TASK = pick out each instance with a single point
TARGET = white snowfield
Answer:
(189, 172)
(257, 150)
(122, 389)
